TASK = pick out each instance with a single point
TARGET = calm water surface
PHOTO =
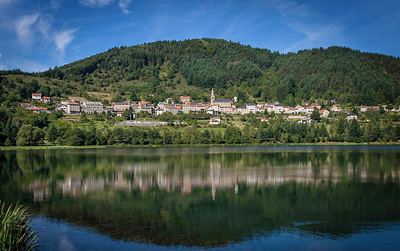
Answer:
(318, 198)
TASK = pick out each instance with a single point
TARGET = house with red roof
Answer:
(46, 99)
(184, 99)
(37, 109)
(36, 96)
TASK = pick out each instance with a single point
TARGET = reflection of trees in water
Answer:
(8, 167)
(139, 197)
(202, 170)
(78, 173)
(168, 218)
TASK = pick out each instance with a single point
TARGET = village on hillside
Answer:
(300, 113)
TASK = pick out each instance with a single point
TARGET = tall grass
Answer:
(15, 231)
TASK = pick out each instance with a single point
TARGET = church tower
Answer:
(212, 96)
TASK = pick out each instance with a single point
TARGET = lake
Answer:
(272, 197)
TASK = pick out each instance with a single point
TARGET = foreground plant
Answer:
(15, 229)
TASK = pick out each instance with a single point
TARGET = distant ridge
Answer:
(193, 67)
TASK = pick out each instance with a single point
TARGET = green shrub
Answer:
(15, 230)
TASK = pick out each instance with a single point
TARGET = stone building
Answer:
(121, 106)
(92, 107)
(73, 107)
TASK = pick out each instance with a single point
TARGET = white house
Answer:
(351, 116)
(38, 109)
(278, 108)
(304, 121)
(251, 108)
(300, 109)
(316, 105)
(336, 108)
(213, 109)
(158, 111)
(46, 99)
(286, 109)
(227, 109)
(62, 108)
(186, 108)
(260, 108)
(36, 96)
(263, 119)
(309, 110)
(290, 110)
(269, 107)
(324, 113)
(215, 121)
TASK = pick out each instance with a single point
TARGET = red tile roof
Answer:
(37, 108)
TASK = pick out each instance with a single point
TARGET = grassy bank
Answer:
(15, 231)
(55, 147)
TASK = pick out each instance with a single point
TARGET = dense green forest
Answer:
(336, 73)
(164, 69)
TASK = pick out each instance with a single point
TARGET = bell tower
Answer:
(212, 96)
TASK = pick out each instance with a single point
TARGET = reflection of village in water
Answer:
(144, 176)
(209, 196)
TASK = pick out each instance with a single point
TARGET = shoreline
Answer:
(58, 147)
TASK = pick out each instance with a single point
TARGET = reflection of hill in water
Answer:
(168, 218)
(208, 199)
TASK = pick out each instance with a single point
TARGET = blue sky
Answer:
(38, 34)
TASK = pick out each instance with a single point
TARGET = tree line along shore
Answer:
(24, 128)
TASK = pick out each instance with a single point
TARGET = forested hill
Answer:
(193, 67)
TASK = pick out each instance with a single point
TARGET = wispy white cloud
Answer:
(158, 27)
(291, 7)
(23, 29)
(95, 3)
(320, 36)
(124, 5)
(44, 28)
(36, 30)
(230, 29)
(2, 67)
(63, 38)
(312, 25)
